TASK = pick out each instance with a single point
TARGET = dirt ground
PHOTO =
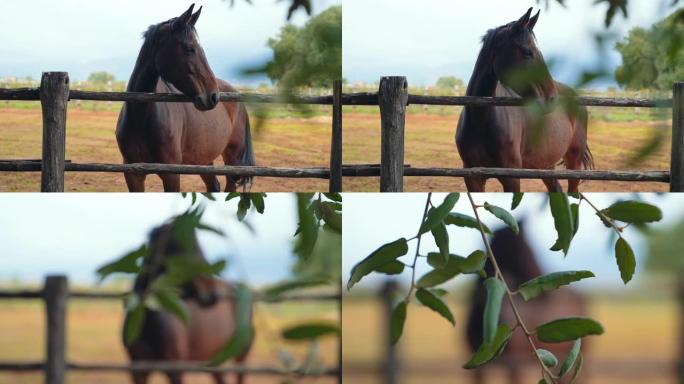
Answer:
(281, 142)
(430, 143)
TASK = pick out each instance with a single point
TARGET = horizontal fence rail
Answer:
(55, 294)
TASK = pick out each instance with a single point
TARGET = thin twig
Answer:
(417, 255)
(605, 218)
(509, 293)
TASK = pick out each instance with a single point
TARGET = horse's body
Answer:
(507, 137)
(164, 336)
(172, 61)
(517, 263)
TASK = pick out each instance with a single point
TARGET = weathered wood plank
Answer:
(54, 94)
(677, 151)
(336, 140)
(145, 97)
(392, 96)
(55, 295)
(28, 94)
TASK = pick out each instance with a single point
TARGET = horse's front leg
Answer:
(171, 182)
(509, 184)
(475, 184)
(135, 182)
(553, 185)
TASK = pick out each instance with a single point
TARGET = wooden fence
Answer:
(55, 294)
(54, 94)
(392, 98)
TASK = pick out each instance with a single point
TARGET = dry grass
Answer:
(281, 142)
(636, 331)
(430, 143)
(94, 337)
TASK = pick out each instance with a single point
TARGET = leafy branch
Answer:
(446, 266)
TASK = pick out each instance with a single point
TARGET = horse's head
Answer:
(516, 60)
(180, 59)
(514, 256)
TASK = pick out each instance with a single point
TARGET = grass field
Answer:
(637, 347)
(615, 135)
(94, 337)
(282, 141)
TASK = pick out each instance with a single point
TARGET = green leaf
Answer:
(307, 232)
(578, 369)
(574, 208)
(243, 206)
(391, 268)
(437, 215)
(398, 320)
(547, 357)
(517, 198)
(334, 196)
(232, 195)
(439, 232)
(562, 219)
(474, 263)
(489, 351)
(570, 358)
(133, 323)
(310, 331)
(633, 212)
(541, 284)
(129, 263)
(287, 286)
(171, 302)
(435, 303)
(568, 329)
(242, 338)
(495, 293)
(258, 201)
(378, 258)
(461, 220)
(504, 216)
(331, 217)
(625, 259)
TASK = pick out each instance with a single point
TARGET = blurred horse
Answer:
(517, 263)
(511, 65)
(164, 336)
(171, 60)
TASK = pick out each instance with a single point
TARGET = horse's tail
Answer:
(583, 124)
(246, 157)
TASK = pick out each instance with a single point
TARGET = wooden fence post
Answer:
(392, 99)
(54, 97)
(55, 295)
(390, 364)
(677, 156)
(336, 143)
(680, 358)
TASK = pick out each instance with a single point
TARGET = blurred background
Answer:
(643, 321)
(73, 235)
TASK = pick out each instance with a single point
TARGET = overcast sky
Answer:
(426, 39)
(84, 36)
(74, 234)
(371, 220)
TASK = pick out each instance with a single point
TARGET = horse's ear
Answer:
(195, 16)
(522, 22)
(533, 21)
(182, 20)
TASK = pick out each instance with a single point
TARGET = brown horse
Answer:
(164, 336)
(508, 137)
(518, 265)
(172, 61)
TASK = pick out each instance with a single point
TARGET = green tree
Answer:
(649, 56)
(448, 82)
(308, 56)
(101, 77)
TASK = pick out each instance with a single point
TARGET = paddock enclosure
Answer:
(392, 99)
(81, 339)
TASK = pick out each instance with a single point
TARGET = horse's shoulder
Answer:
(225, 86)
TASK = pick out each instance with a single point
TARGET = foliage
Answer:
(496, 335)
(649, 56)
(307, 56)
(447, 83)
(101, 78)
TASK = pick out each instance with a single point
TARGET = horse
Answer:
(517, 263)
(164, 337)
(171, 60)
(511, 137)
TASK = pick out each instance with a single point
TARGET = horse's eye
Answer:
(189, 50)
(526, 52)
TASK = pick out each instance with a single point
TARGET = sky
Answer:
(426, 39)
(84, 36)
(74, 234)
(371, 220)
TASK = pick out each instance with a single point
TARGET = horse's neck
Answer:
(144, 78)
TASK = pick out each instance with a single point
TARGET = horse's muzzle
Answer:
(206, 102)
